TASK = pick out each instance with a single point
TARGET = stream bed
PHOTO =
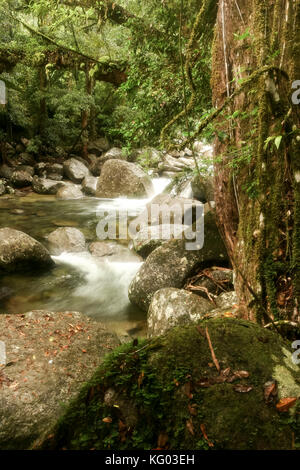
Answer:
(80, 282)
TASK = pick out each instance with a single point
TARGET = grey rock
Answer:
(172, 307)
(66, 239)
(21, 178)
(121, 178)
(149, 238)
(45, 186)
(89, 185)
(75, 170)
(20, 252)
(69, 191)
(54, 374)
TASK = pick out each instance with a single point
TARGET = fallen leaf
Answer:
(190, 427)
(202, 427)
(270, 391)
(83, 350)
(192, 409)
(107, 420)
(285, 404)
(241, 374)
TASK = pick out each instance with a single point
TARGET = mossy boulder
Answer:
(167, 393)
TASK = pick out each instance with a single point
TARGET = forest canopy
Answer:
(120, 63)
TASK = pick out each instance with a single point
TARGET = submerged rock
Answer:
(20, 252)
(120, 178)
(172, 307)
(168, 393)
(67, 239)
(49, 356)
(171, 264)
(75, 170)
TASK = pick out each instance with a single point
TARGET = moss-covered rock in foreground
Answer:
(167, 393)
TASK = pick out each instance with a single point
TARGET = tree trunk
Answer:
(257, 144)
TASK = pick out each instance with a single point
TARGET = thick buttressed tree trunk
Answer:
(257, 153)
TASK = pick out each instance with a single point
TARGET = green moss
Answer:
(154, 384)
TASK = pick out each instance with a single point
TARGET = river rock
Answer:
(121, 178)
(172, 307)
(89, 185)
(20, 252)
(75, 170)
(149, 238)
(50, 355)
(2, 188)
(25, 159)
(45, 185)
(98, 146)
(69, 191)
(53, 171)
(227, 300)
(171, 264)
(21, 178)
(66, 239)
(6, 172)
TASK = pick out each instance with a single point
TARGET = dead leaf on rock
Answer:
(270, 391)
(192, 409)
(285, 404)
(190, 427)
(203, 430)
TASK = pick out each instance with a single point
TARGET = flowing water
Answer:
(79, 281)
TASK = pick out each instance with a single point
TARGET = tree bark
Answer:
(258, 166)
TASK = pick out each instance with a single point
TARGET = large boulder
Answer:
(89, 185)
(66, 239)
(48, 355)
(169, 394)
(172, 307)
(171, 264)
(69, 191)
(45, 185)
(75, 170)
(20, 252)
(21, 178)
(121, 178)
